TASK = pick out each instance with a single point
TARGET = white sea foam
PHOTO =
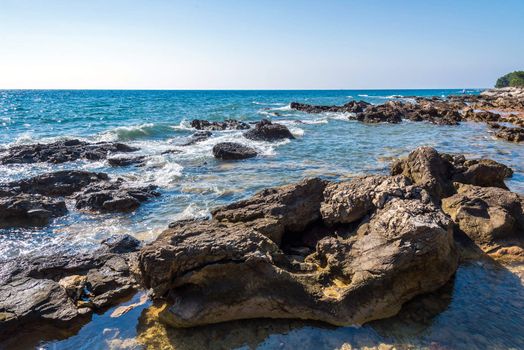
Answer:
(283, 108)
(133, 132)
(363, 95)
(192, 211)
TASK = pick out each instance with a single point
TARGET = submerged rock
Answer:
(268, 131)
(273, 256)
(63, 151)
(233, 151)
(513, 134)
(228, 124)
(62, 289)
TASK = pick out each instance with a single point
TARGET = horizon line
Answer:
(152, 89)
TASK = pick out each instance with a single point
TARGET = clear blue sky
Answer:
(264, 44)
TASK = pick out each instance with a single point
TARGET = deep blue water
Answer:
(192, 182)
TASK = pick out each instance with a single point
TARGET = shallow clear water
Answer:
(483, 309)
(192, 182)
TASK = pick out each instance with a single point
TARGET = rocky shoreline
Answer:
(338, 252)
(492, 106)
(341, 253)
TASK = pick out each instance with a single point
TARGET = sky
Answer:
(263, 44)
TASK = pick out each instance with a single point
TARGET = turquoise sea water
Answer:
(192, 182)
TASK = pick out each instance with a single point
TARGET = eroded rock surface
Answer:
(60, 289)
(487, 214)
(436, 172)
(233, 151)
(25, 210)
(265, 130)
(350, 107)
(63, 151)
(274, 256)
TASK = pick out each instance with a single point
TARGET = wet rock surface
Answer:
(63, 289)
(126, 161)
(114, 197)
(228, 124)
(265, 130)
(63, 151)
(233, 151)
(513, 134)
(295, 265)
(197, 137)
(25, 210)
(35, 201)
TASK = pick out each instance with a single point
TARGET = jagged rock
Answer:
(232, 151)
(347, 202)
(234, 267)
(58, 183)
(24, 210)
(60, 289)
(113, 197)
(350, 107)
(126, 161)
(268, 131)
(198, 136)
(274, 211)
(63, 151)
(436, 172)
(228, 124)
(486, 214)
(513, 134)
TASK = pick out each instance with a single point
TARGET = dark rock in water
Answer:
(113, 197)
(58, 183)
(350, 107)
(25, 210)
(268, 131)
(61, 289)
(126, 161)
(436, 172)
(198, 136)
(513, 134)
(63, 151)
(379, 114)
(120, 244)
(232, 151)
(294, 265)
(228, 124)
(487, 215)
(33, 202)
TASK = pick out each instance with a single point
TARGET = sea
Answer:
(192, 182)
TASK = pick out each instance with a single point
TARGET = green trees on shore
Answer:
(511, 79)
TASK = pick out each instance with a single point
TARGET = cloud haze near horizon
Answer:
(233, 44)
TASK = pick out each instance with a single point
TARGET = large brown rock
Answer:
(436, 172)
(265, 130)
(486, 214)
(238, 266)
(274, 211)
